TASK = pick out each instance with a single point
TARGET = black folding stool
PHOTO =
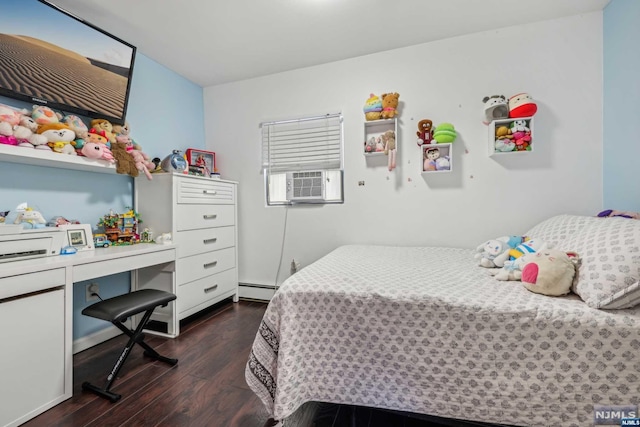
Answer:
(118, 309)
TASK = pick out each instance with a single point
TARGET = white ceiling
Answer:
(218, 41)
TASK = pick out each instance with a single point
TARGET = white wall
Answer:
(558, 62)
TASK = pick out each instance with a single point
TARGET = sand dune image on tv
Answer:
(43, 70)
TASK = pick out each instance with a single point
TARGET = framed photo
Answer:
(202, 159)
(78, 236)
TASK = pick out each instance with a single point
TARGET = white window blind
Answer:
(302, 144)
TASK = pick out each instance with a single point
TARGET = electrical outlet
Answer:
(91, 288)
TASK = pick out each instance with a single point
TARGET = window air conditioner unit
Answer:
(306, 186)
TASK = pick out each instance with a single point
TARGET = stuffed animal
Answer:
(370, 145)
(6, 134)
(125, 163)
(511, 270)
(30, 219)
(123, 134)
(390, 105)
(624, 214)
(79, 127)
(44, 115)
(425, 132)
(494, 252)
(521, 105)
(433, 161)
(528, 246)
(549, 272)
(444, 133)
(11, 115)
(26, 134)
(97, 137)
(142, 162)
(389, 140)
(106, 126)
(95, 150)
(495, 108)
(372, 108)
(504, 139)
(59, 137)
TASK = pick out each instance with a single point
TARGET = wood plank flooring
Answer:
(205, 389)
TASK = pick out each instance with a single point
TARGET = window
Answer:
(302, 160)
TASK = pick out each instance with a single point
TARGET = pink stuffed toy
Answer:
(143, 163)
(95, 150)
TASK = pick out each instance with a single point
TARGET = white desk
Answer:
(36, 309)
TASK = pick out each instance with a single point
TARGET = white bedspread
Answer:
(426, 330)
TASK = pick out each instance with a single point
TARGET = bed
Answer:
(426, 330)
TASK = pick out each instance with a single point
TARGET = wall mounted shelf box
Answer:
(492, 137)
(373, 130)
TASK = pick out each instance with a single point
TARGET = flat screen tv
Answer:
(50, 57)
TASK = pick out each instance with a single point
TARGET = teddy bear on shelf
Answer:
(106, 126)
(425, 132)
(390, 105)
(125, 163)
(389, 140)
(122, 133)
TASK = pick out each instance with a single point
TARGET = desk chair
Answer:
(117, 310)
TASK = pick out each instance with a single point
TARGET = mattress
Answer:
(426, 330)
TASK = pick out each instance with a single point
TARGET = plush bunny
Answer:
(549, 272)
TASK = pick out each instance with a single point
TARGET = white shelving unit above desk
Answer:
(31, 156)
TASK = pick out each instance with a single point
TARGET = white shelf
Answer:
(445, 151)
(31, 156)
(374, 129)
(507, 122)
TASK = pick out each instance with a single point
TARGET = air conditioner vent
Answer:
(306, 186)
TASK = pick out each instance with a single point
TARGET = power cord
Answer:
(284, 234)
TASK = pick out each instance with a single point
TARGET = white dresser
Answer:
(201, 215)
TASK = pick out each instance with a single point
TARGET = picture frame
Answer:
(203, 159)
(78, 236)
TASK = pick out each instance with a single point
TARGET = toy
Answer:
(97, 137)
(425, 132)
(59, 137)
(106, 126)
(142, 162)
(370, 145)
(444, 133)
(3, 216)
(495, 107)
(98, 151)
(528, 246)
(125, 163)
(511, 270)
(390, 105)
(30, 218)
(389, 140)
(26, 133)
(550, 272)
(6, 134)
(494, 252)
(123, 134)
(521, 105)
(624, 214)
(11, 115)
(43, 115)
(100, 241)
(372, 108)
(433, 161)
(379, 144)
(504, 139)
(77, 125)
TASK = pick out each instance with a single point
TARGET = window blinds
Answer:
(302, 144)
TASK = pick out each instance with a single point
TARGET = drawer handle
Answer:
(207, 241)
(210, 216)
(212, 192)
(211, 289)
(210, 264)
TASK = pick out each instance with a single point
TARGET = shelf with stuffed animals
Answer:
(510, 123)
(436, 146)
(26, 156)
(381, 127)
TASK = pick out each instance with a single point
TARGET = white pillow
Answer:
(610, 252)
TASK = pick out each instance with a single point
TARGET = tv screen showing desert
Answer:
(71, 64)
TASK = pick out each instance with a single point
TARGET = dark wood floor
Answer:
(206, 388)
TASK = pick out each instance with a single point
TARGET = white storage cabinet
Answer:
(201, 215)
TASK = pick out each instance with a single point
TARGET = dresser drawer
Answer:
(205, 191)
(195, 242)
(205, 289)
(197, 266)
(193, 217)
(13, 286)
